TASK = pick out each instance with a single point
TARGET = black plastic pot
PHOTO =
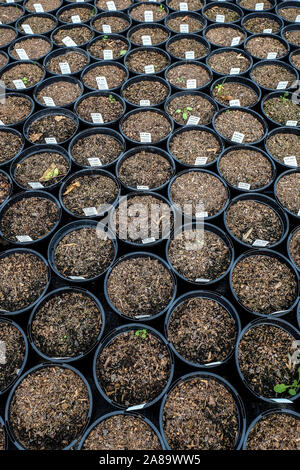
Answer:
(145, 78)
(193, 128)
(3, 54)
(45, 112)
(287, 327)
(245, 110)
(264, 415)
(276, 94)
(280, 63)
(15, 132)
(199, 64)
(298, 316)
(255, 149)
(266, 35)
(290, 27)
(108, 339)
(229, 5)
(198, 10)
(36, 149)
(195, 37)
(99, 93)
(52, 80)
(92, 131)
(48, 11)
(105, 14)
(150, 26)
(86, 172)
(103, 64)
(62, 232)
(285, 4)
(272, 254)
(99, 37)
(246, 10)
(40, 15)
(267, 201)
(240, 408)
(226, 25)
(286, 130)
(34, 369)
(72, 6)
(263, 14)
(150, 149)
(4, 254)
(59, 52)
(138, 110)
(243, 81)
(2, 425)
(26, 38)
(4, 27)
(58, 292)
(291, 56)
(294, 217)
(149, 49)
(152, 3)
(226, 49)
(68, 26)
(30, 100)
(25, 195)
(115, 413)
(11, 65)
(192, 14)
(216, 297)
(3, 173)
(296, 229)
(210, 228)
(139, 254)
(20, 7)
(20, 371)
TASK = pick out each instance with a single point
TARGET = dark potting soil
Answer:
(133, 368)
(229, 15)
(251, 4)
(269, 76)
(76, 61)
(3, 60)
(193, 23)
(179, 74)
(227, 91)
(250, 220)
(282, 109)
(107, 43)
(264, 359)
(138, 60)
(258, 24)
(7, 35)
(184, 106)
(14, 353)
(32, 216)
(145, 169)
(202, 331)
(66, 325)
(286, 193)
(197, 189)
(10, 145)
(140, 287)
(200, 413)
(199, 256)
(106, 147)
(282, 145)
(193, 5)
(4, 187)
(79, 34)
(179, 48)
(245, 123)
(62, 92)
(114, 75)
(155, 219)
(23, 278)
(158, 35)
(222, 36)
(14, 109)
(30, 74)
(54, 125)
(46, 168)
(84, 253)
(47, 5)
(277, 431)
(260, 46)
(111, 109)
(9, 14)
(289, 13)
(187, 146)
(223, 62)
(49, 409)
(84, 13)
(39, 24)
(153, 91)
(294, 248)
(89, 191)
(246, 166)
(116, 24)
(122, 432)
(264, 284)
(34, 47)
(138, 12)
(293, 36)
(120, 4)
(295, 59)
(2, 438)
(146, 121)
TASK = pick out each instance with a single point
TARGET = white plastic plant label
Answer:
(220, 18)
(234, 71)
(271, 55)
(97, 118)
(50, 140)
(145, 137)
(24, 238)
(267, 31)
(191, 83)
(297, 20)
(201, 279)
(291, 123)
(260, 243)
(27, 29)
(148, 240)
(10, 1)
(22, 54)
(138, 317)
(281, 400)
(94, 161)
(69, 42)
(259, 6)
(184, 28)
(102, 83)
(76, 278)
(235, 41)
(2, 123)
(136, 407)
(142, 188)
(144, 102)
(189, 55)
(193, 121)
(48, 101)
(234, 103)
(200, 161)
(76, 19)
(38, 7)
(282, 85)
(149, 69)
(298, 213)
(146, 40)
(291, 161)
(64, 68)
(183, 6)
(88, 211)
(36, 185)
(108, 54)
(237, 137)
(111, 6)
(201, 215)
(19, 84)
(148, 16)
(106, 28)
(242, 185)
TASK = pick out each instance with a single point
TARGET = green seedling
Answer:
(104, 38)
(284, 97)
(65, 337)
(180, 79)
(112, 99)
(123, 51)
(25, 80)
(184, 112)
(292, 389)
(141, 333)
(161, 8)
(220, 87)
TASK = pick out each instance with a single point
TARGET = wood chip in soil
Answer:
(30, 74)
(47, 5)
(139, 59)
(84, 12)
(133, 368)
(4, 187)
(75, 59)
(294, 247)
(264, 284)
(158, 35)
(222, 36)
(23, 278)
(269, 76)
(14, 345)
(259, 23)
(152, 90)
(79, 34)
(277, 431)
(66, 325)
(7, 35)
(104, 146)
(46, 168)
(229, 14)
(15, 109)
(288, 193)
(39, 24)
(138, 12)
(34, 47)
(116, 24)
(10, 144)
(193, 5)
(120, 4)
(53, 125)
(230, 121)
(140, 286)
(261, 46)
(111, 108)
(200, 413)
(289, 13)
(184, 106)
(202, 331)
(114, 75)
(194, 24)
(49, 409)
(227, 91)
(62, 92)
(282, 109)
(223, 62)
(146, 121)
(284, 144)
(10, 14)
(83, 253)
(179, 47)
(188, 145)
(117, 46)
(179, 74)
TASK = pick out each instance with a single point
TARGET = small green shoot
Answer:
(184, 112)
(292, 389)
(112, 99)
(161, 8)
(104, 38)
(180, 79)
(141, 333)
(284, 97)
(25, 80)
(220, 87)
(123, 51)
